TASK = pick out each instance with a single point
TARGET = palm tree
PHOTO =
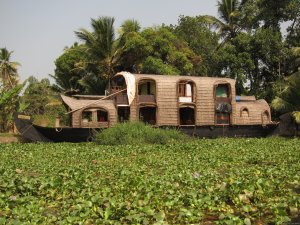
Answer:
(101, 46)
(130, 25)
(288, 100)
(229, 12)
(228, 24)
(8, 69)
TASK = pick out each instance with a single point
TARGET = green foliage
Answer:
(8, 69)
(222, 181)
(288, 99)
(70, 69)
(156, 66)
(171, 55)
(51, 111)
(129, 26)
(8, 105)
(36, 96)
(101, 47)
(198, 33)
(137, 133)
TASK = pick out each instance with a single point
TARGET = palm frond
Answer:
(281, 105)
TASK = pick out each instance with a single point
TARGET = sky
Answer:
(37, 31)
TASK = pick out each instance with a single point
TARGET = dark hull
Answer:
(37, 133)
(229, 131)
(68, 134)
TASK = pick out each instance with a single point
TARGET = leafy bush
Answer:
(50, 114)
(137, 133)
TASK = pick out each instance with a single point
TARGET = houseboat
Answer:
(199, 106)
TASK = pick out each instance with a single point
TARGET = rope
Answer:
(27, 128)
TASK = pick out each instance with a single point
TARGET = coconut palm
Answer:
(229, 12)
(101, 46)
(8, 69)
(288, 100)
(228, 24)
(130, 25)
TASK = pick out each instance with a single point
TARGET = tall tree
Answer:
(229, 13)
(167, 54)
(70, 68)
(201, 37)
(8, 69)
(101, 46)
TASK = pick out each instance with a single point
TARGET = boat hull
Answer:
(67, 134)
(229, 131)
(37, 133)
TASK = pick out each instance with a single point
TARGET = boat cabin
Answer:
(165, 100)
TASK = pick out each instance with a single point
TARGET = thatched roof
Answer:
(75, 103)
(166, 78)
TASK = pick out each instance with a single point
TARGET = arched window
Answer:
(117, 83)
(187, 115)
(244, 113)
(146, 91)
(223, 106)
(94, 117)
(186, 91)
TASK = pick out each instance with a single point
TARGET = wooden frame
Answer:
(194, 89)
(187, 105)
(229, 98)
(93, 123)
(137, 92)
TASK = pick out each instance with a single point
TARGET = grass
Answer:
(137, 133)
(7, 135)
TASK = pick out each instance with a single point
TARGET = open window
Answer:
(187, 115)
(94, 117)
(146, 91)
(123, 114)
(102, 116)
(117, 83)
(186, 91)
(223, 104)
(147, 114)
(87, 116)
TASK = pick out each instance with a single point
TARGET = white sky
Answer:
(38, 30)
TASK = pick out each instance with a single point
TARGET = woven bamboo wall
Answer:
(134, 111)
(206, 99)
(255, 109)
(108, 105)
(168, 106)
(167, 98)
